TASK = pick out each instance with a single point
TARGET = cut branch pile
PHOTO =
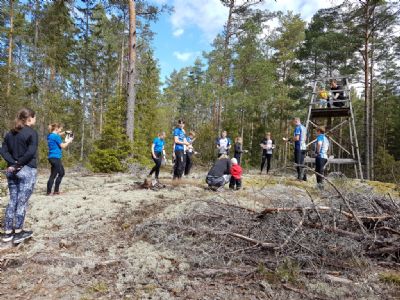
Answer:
(355, 230)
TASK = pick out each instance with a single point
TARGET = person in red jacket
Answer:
(236, 175)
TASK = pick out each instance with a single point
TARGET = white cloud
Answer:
(210, 15)
(184, 56)
(178, 32)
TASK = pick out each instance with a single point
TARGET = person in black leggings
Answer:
(267, 145)
(56, 145)
(157, 153)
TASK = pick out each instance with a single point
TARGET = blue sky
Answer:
(190, 29)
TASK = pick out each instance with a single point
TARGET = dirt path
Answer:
(85, 246)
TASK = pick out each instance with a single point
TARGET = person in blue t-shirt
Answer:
(321, 151)
(299, 138)
(157, 153)
(56, 145)
(179, 149)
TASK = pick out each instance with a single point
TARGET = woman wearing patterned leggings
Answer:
(19, 150)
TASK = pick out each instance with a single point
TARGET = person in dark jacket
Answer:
(189, 151)
(19, 150)
(238, 147)
(219, 174)
(337, 94)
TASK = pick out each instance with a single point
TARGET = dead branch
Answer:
(262, 244)
(302, 292)
(346, 202)
(293, 232)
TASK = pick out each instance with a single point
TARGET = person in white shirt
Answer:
(267, 145)
(223, 144)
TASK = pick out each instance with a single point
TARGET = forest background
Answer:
(72, 62)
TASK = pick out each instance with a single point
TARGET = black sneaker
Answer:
(22, 236)
(6, 237)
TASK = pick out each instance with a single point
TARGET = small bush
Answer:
(105, 161)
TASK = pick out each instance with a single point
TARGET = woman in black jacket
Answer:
(19, 150)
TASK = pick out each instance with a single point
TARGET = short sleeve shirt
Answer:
(323, 151)
(158, 144)
(301, 143)
(178, 132)
(54, 142)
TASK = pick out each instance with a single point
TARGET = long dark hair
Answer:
(22, 118)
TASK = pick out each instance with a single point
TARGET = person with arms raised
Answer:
(56, 145)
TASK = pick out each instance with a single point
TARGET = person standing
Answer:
(267, 145)
(299, 138)
(321, 151)
(55, 145)
(157, 153)
(238, 147)
(223, 144)
(179, 150)
(189, 152)
(19, 150)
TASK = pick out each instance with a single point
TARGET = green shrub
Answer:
(113, 147)
(105, 161)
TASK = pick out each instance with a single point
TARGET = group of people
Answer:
(321, 148)
(335, 98)
(182, 152)
(20, 147)
(19, 150)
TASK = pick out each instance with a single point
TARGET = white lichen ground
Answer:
(83, 246)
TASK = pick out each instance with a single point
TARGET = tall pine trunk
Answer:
(10, 48)
(371, 113)
(130, 112)
(366, 94)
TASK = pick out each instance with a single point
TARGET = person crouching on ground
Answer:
(236, 175)
(55, 144)
(219, 174)
(157, 153)
(321, 151)
(19, 150)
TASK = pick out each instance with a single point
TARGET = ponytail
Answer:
(54, 126)
(22, 118)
